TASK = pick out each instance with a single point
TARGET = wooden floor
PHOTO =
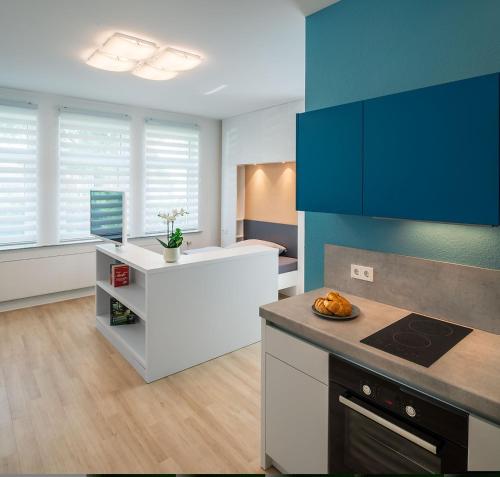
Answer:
(70, 404)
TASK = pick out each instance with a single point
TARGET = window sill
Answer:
(154, 235)
(33, 246)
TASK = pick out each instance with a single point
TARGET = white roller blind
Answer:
(18, 167)
(94, 153)
(171, 173)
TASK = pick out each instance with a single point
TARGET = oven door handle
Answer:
(388, 425)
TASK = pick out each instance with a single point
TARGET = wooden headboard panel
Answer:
(282, 234)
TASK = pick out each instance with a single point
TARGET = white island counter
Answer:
(204, 306)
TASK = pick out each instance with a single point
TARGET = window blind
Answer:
(171, 173)
(94, 153)
(18, 167)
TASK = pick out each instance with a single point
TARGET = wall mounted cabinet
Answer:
(329, 159)
(432, 154)
(429, 154)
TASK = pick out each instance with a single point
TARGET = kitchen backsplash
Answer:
(462, 294)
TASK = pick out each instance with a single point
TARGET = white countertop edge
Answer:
(148, 261)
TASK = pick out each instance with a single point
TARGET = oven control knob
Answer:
(410, 410)
(367, 389)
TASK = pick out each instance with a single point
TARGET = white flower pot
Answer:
(172, 255)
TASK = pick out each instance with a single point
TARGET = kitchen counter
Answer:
(467, 376)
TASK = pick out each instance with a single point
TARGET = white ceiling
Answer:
(256, 47)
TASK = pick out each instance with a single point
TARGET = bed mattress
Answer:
(287, 264)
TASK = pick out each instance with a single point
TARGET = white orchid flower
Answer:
(166, 217)
(172, 215)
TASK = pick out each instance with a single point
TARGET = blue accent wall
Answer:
(361, 49)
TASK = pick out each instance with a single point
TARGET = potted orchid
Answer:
(172, 247)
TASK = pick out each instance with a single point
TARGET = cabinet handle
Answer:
(388, 425)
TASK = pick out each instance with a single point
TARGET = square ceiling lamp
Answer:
(130, 47)
(105, 61)
(147, 71)
(176, 60)
(123, 52)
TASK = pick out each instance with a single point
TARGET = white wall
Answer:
(240, 192)
(35, 271)
(260, 137)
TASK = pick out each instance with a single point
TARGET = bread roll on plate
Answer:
(333, 304)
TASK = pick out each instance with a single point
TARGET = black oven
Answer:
(379, 426)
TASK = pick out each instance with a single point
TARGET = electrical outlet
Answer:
(362, 273)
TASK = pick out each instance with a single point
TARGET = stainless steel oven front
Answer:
(377, 425)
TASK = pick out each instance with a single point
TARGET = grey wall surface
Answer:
(462, 294)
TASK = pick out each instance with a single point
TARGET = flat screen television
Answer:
(107, 212)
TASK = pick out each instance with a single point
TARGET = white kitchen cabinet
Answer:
(298, 353)
(296, 422)
(484, 445)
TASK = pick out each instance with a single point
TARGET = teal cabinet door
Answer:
(433, 153)
(329, 159)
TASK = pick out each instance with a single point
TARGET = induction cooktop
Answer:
(418, 338)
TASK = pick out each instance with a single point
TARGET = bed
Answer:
(277, 234)
(287, 264)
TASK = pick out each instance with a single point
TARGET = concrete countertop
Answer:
(467, 376)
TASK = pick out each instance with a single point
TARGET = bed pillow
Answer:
(245, 243)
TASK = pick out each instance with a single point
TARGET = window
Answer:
(94, 153)
(45, 197)
(171, 173)
(18, 167)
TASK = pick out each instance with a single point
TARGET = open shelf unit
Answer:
(130, 340)
(132, 296)
(130, 337)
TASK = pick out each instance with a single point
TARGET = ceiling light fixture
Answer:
(147, 71)
(105, 61)
(130, 47)
(215, 90)
(123, 52)
(172, 59)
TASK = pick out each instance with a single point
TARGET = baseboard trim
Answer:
(45, 299)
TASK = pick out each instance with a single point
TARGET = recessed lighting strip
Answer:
(121, 52)
(215, 90)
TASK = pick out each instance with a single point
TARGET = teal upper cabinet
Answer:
(329, 159)
(433, 153)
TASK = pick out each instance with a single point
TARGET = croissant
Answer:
(332, 295)
(319, 305)
(333, 304)
(338, 305)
